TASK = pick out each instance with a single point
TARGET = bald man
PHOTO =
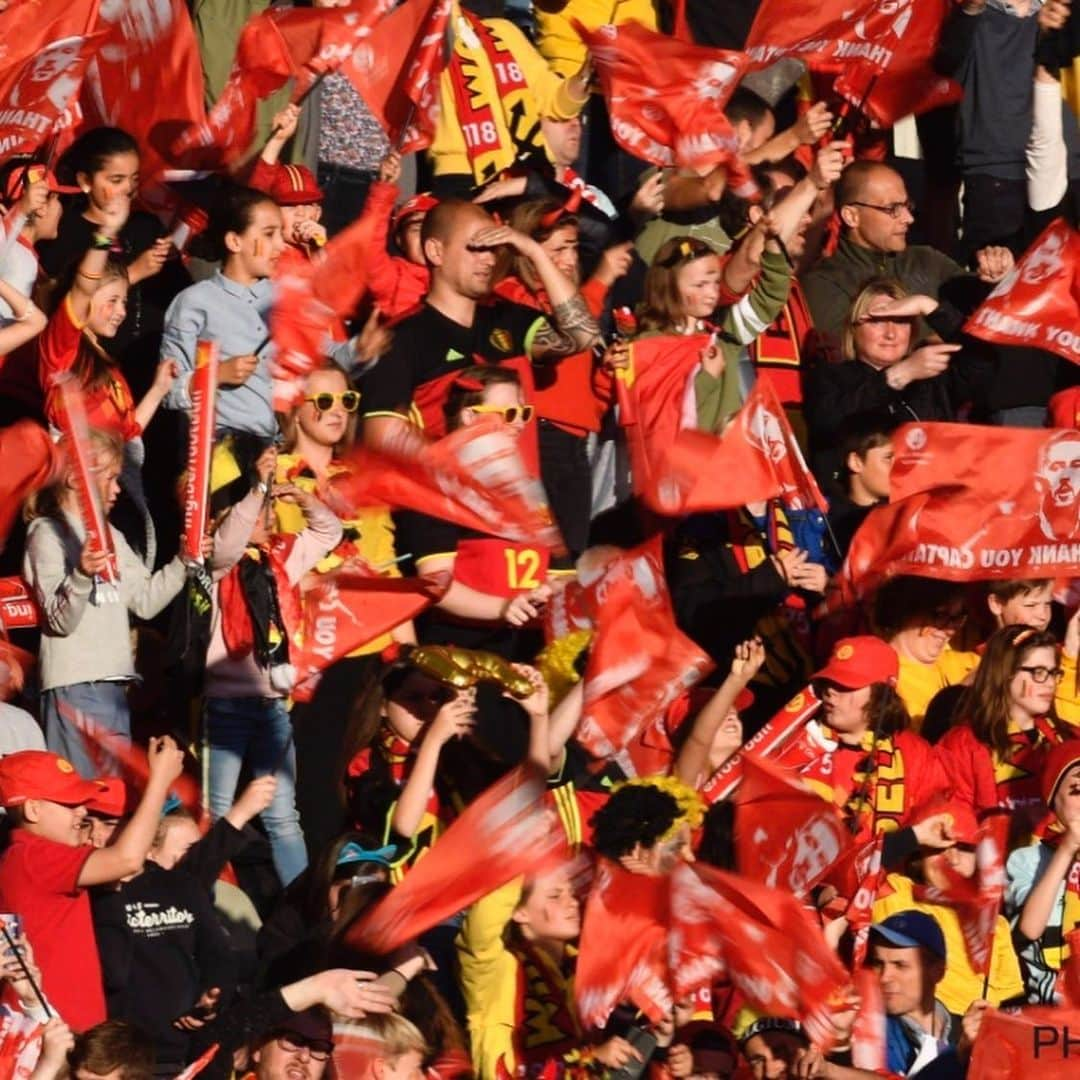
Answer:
(454, 326)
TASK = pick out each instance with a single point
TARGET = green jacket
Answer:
(832, 285)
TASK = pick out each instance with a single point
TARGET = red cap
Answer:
(293, 185)
(32, 173)
(418, 204)
(861, 661)
(111, 797)
(39, 774)
(1058, 762)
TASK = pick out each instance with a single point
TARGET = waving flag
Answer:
(475, 477)
(397, 71)
(30, 462)
(666, 98)
(786, 836)
(1038, 302)
(508, 831)
(973, 503)
(276, 45)
(639, 661)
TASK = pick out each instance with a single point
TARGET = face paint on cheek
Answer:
(1025, 686)
(257, 249)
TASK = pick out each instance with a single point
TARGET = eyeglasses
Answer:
(686, 250)
(319, 1050)
(324, 402)
(893, 209)
(1040, 674)
(509, 413)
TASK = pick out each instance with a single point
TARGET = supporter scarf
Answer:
(490, 94)
(869, 788)
(547, 1023)
(777, 352)
(252, 618)
(1058, 951)
(1017, 773)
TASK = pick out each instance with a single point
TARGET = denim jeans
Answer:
(258, 730)
(103, 702)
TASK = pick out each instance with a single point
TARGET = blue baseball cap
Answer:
(912, 930)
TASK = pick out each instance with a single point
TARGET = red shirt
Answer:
(108, 406)
(39, 880)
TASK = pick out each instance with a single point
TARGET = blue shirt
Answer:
(236, 317)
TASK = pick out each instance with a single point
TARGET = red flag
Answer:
(347, 609)
(310, 297)
(26, 28)
(773, 952)
(891, 43)
(277, 45)
(977, 900)
(772, 738)
(397, 71)
(113, 754)
(868, 1039)
(974, 503)
(203, 391)
(639, 662)
(474, 477)
(30, 462)
(857, 876)
(1038, 302)
(36, 96)
(508, 831)
(656, 398)
(1033, 1042)
(199, 1063)
(666, 98)
(77, 443)
(146, 78)
(786, 836)
(622, 954)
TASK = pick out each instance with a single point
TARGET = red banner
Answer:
(510, 830)
(18, 608)
(30, 461)
(475, 477)
(1038, 302)
(623, 950)
(347, 609)
(639, 661)
(786, 836)
(203, 393)
(146, 78)
(973, 503)
(1034, 1042)
(81, 459)
(666, 98)
(397, 71)
(276, 45)
(36, 98)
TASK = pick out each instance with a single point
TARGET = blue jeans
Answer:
(257, 729)
(103, 702)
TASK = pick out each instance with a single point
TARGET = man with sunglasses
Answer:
(297, 1049)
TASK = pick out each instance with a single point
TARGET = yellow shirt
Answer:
(918, 683)
(962, 984)
(560, 44)
(1067, 698)
(369, 533)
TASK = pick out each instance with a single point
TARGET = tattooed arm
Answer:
(569, 328)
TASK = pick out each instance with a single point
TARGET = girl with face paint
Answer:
(995, 756)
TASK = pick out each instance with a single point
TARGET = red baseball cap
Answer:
(32, 173)
(1058, 762)
(418, 204)
(965, 826)
(293, 185)
(110, 799)
(39, 774)
(861, 661)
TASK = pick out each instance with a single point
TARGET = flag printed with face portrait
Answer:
(1038, 302)
(37, 97)
(666, 99)
(971, 503)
